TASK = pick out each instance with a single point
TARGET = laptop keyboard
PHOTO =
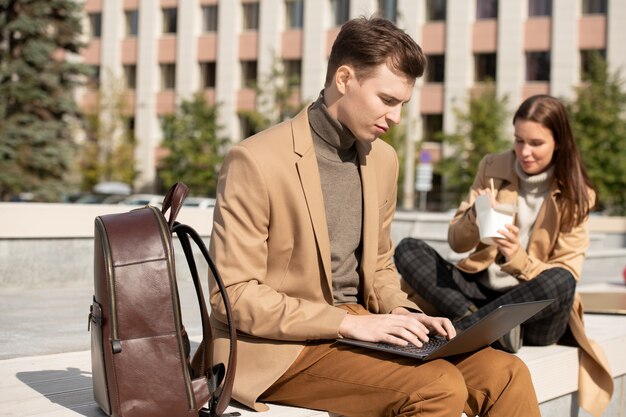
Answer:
(433, 344)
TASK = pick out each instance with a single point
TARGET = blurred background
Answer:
(143, 93)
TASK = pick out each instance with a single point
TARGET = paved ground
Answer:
(48, 319)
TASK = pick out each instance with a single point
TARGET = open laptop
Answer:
(482, 333)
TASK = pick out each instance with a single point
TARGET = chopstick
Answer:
(493, 189)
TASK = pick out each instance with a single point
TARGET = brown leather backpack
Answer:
(140, 352)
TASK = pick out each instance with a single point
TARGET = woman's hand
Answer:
(510, 243)
(400, 327)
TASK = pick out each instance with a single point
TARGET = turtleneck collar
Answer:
(538, 183)
(334, 136)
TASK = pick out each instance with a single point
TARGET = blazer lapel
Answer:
(308, 172)
(369, 237)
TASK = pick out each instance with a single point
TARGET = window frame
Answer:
(168, 76)
(484, 65)
(247, 68)
(436, 10)
(486, 9)
(294, 14)
(169, 20)
(95, 25)
(340, 12)
(539, 8)
(535, 60)
(251, 13)
(131, 21)
(436, 76)
(210, 18)
(208, 75)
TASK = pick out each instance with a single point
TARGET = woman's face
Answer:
(534, 146)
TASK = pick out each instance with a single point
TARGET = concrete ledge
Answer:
(59, 385)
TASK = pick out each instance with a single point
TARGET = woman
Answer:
(540, 256)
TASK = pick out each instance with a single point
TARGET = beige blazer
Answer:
(548, 247)
(271, 247)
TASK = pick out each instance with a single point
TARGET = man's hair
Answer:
(366, 43)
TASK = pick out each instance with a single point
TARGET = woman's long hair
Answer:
(569, 171)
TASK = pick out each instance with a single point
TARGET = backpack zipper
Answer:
(115, 342)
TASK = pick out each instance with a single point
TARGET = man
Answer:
(301, 238)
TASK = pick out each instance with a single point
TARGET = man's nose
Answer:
(395, 114)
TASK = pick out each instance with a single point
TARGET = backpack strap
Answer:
(174, 199)
(220, 394)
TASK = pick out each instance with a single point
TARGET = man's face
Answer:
(370, 106)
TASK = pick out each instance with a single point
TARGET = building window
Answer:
(594, 7)
(539, 8)
(130, 76)
(169, 20)
(432, 127)
(341, 11)
(486, 9)
(95, 25)
(168, 76)
(484, 67)
(94, 77)
(248, 74)
(250, 16)
(207, 74)
(293, 71)
(209, 18)
(587, 56)
(132, 22)
(294, 13)
(435, 68)
(435, 10)
(388, 9)
(538, 66)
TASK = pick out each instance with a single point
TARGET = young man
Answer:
(301, 237)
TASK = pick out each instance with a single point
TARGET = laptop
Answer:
(604, 302)
(482, 333)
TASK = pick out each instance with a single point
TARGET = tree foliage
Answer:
(275, 97)
(37, 103)
(598, 118)
(195, 151)
(108, 152)
(480, 130)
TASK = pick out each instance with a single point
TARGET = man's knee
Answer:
(448, 391)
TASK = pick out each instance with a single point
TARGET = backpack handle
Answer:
(220, 395)
(174, 198)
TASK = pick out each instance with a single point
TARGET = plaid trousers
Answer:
(453, 291)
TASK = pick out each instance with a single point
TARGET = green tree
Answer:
(480, 130)
(275, 96)
(108, 152)
(599, 123)
(195, 151)
(37, 103)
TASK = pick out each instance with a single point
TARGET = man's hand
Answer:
(400, 327)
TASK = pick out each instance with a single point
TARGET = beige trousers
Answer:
(352, 381)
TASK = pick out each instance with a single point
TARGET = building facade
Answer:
(164, 51)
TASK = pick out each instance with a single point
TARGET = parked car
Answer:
(200, 202)
(143, 200)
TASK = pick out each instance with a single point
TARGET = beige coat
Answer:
(271, 247)
(548, 247)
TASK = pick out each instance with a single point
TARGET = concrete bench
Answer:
(59, 385)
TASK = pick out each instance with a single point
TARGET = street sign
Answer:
(424, 177)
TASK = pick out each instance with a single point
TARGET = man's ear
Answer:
(342, 76)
